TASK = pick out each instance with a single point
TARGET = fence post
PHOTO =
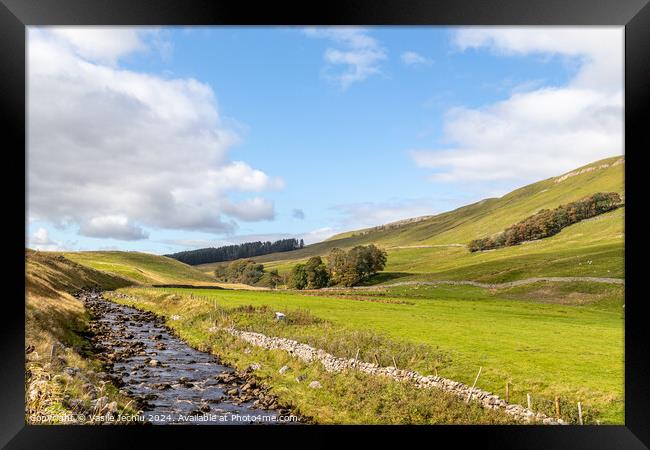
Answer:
(529, 401)
(356, 357)
(507, 392)
(557, 406)
(471, 391)
(580, 413)
(394, 363)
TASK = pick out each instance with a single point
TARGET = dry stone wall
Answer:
(506, 284)
(332, 363)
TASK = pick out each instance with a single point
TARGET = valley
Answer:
(542, 320)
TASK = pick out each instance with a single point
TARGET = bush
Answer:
(298, 277)
(241, 271)
(274, 278)
(547, 222)
(316, 271)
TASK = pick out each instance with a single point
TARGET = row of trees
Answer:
(237, 251)
(342, 268)
(548, 222)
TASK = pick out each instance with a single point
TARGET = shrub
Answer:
(298, 277)
(274, 278)
(241, 271)
(316, 271)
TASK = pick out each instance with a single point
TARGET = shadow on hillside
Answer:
(189, 286)
(384, 277)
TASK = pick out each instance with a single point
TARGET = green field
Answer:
(141, 268)
(547, 340)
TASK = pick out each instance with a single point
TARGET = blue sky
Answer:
(163, 140)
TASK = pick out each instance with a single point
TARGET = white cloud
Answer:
(251, 210)
(318, 235)
(542, 131)
(109, 142)
(411, 58)
(370, 214)
(40, 240)
(241, 176)
(601, 49)
(100, 44)
(359, 53)
(116, 227)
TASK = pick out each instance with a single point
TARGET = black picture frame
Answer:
(634, 15)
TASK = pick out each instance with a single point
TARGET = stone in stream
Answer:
(154, 363)
(205, 408)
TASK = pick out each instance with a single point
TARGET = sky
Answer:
(169, 139)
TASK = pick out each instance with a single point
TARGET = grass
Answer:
(571, 348)
(142, 268)
(347, 398)
(53, 317)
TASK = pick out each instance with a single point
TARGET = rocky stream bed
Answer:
(170, 381)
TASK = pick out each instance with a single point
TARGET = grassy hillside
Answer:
(493, 215)
(141, 268)
(434, 247)
(53, 317)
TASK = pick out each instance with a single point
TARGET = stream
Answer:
(172, 382)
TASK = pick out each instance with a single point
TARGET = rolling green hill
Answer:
(141, 268)
(434, 247)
